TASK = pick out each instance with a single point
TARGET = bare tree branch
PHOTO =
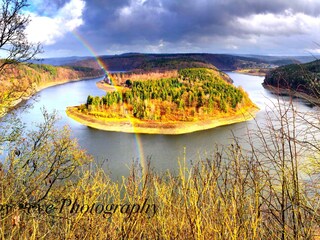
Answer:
(13, 39)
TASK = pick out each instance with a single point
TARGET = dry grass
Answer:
(217, 198)
(201, 202)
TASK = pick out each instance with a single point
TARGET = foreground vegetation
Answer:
(267, 190)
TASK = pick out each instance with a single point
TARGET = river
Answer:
(164, 151)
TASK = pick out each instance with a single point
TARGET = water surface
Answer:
(120, 149)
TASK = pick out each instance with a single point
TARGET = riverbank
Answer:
(253, 72)
(56, 83)
(107, 87)
(289, 92)
(133, 125)
(39, 88)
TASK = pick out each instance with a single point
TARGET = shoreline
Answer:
(258, 74)
(57, 83)
(288, 92)
(39, 88)
(168, 128)
(107, 87)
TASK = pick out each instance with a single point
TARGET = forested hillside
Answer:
(195, 94)
(304, 78)
(139, 61)
(22, 80)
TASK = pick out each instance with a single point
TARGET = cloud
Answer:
(286, 23)
(273, 26)
(47, 30)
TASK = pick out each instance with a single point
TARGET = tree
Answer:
(38, 160)
(89, 100)
(14, 48)
(13, 40)
(129, 83)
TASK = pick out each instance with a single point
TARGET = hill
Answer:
(58, 61)
(145, 62)
(302, 80)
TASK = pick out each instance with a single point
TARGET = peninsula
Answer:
(175, 102)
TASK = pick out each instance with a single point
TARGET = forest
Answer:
(302, 78)
(196, 93)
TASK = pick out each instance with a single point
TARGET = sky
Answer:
(107, 27)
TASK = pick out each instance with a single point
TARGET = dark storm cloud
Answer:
(175, 20)
(147, 22)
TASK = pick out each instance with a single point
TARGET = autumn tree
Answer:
(14, 45)
(33, 162)
(14, 48)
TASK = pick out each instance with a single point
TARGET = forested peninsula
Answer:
(299, 80)
(20, 81)
(185, 101)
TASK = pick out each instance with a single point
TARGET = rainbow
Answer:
(104, 67)
(92, 51)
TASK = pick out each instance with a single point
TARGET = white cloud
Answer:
(284, 24)
(232, 47)
(313, 50)
(47, 30)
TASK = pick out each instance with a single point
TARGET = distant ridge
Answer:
(132, 61)
(286, 59)
(59, 61)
